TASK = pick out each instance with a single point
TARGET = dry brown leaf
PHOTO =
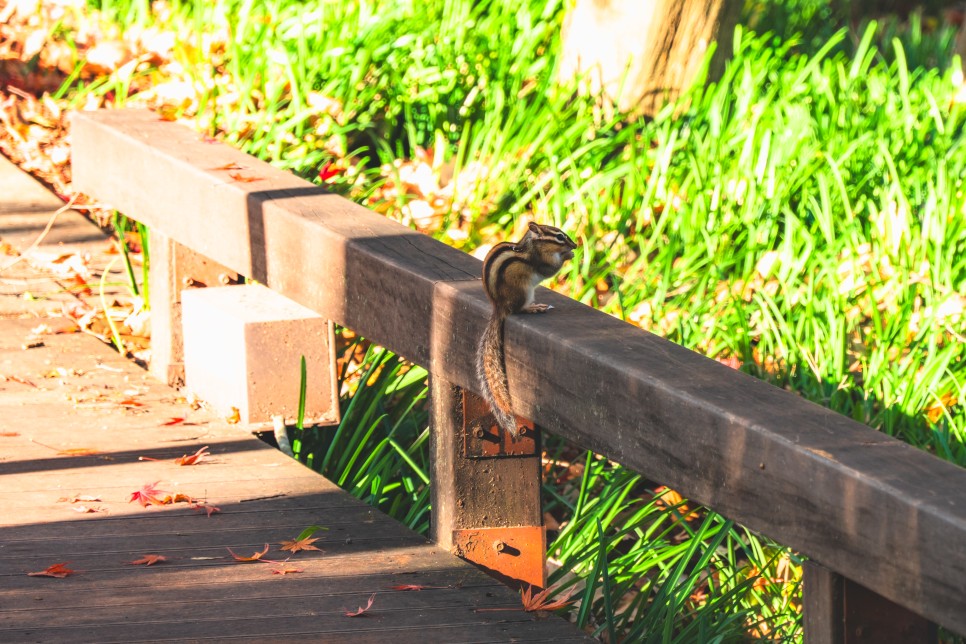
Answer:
(256, 556)
(362, 610)
(295, 545)
(541, 601)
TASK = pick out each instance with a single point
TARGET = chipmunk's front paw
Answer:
(537, 308)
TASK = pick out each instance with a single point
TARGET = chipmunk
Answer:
(511, 272)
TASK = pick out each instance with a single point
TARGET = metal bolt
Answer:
(478, 432)
(522, 430)
(188, 282)
(499, 546)
(224, 279)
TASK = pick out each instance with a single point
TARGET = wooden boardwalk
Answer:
(76, 420)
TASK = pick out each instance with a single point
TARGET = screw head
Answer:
(499, 546)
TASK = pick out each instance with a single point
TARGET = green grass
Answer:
(802, 219)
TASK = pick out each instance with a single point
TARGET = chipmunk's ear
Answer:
(534, 227)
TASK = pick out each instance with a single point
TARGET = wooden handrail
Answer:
(878, 511)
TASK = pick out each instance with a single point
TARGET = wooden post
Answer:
(174, 268)
(840, 611)
(485, 489)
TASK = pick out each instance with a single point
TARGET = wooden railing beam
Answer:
(874, 509)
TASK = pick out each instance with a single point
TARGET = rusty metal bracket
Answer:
(195, 270)
(483, 438)
(513, 553)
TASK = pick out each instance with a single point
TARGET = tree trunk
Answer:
(640, 54)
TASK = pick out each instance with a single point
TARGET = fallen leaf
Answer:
(541, 600)
(237, 176)
(80, 497)
(173, 421)
(303, 542)
(405, 587)
(148, 495)
(148, 560)
(87, 509)
(130, 402)
(193, 459)
(59, 570)
(204, 507)
(286, 570)
(256, 556)
(9, 434)
(295, 545)
(234, 417)
(22, 381)
(362, 610)
(230, 166)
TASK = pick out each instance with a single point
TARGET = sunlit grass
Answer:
(801, 219)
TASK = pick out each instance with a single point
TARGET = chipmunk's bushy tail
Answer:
(491, 372)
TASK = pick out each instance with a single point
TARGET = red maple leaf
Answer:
(174, 421)
(148, 560)
(362, 610)
(59, 570)
(148, 495)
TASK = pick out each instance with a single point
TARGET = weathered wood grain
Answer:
(880, 512)
(200, 591)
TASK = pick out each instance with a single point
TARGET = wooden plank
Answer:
(200, 591)
(878, 511)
